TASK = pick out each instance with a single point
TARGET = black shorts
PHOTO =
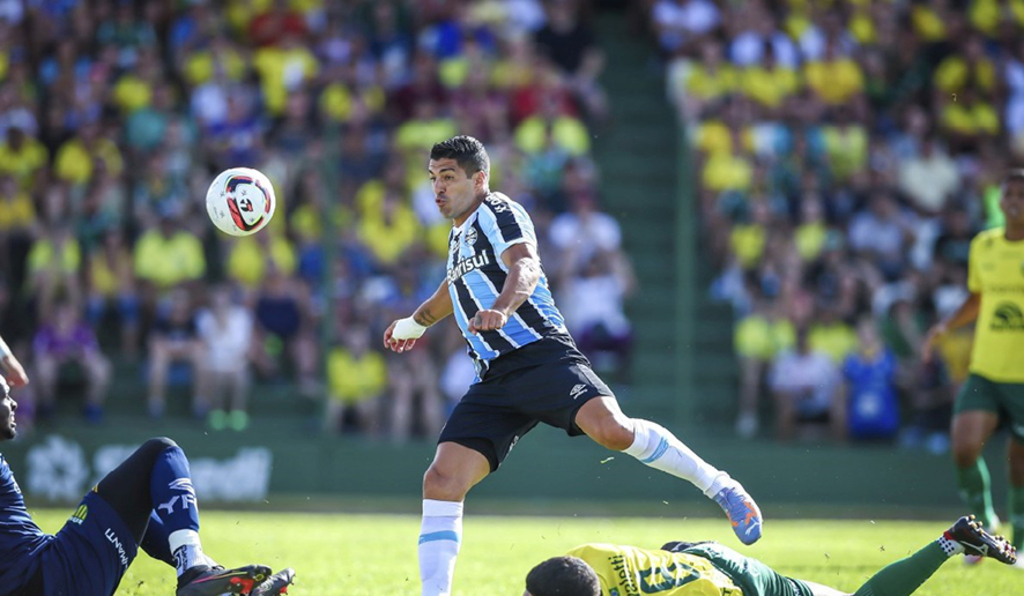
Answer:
(545, 381)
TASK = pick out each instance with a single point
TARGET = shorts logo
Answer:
(1007, 317)
(116, 542)
(577, 391)
(79, 515)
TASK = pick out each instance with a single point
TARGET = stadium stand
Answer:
(115, 115)
(845, 153)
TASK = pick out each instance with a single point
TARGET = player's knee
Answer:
(157, 445)
(443, 486)
(614, 434)
(965, 454)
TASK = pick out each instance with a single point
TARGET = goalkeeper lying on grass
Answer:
(710, 569)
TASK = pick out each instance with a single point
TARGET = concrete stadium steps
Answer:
(716, 371)
(272, 405)
(636, 153)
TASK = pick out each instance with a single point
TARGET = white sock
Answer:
(187, 550)
(949, 546)
(440, 537)
(655, 446)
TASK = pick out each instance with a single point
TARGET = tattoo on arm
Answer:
(425, 318)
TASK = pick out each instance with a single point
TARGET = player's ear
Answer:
(480, 180)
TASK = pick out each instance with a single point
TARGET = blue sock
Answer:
(155, 540)
(174, 499)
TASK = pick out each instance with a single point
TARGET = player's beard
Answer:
(9, 430)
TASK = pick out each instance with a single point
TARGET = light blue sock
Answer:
(440, 538)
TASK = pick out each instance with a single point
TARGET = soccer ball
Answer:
(240, 201)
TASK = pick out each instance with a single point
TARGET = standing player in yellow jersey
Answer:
(995, 388)
(710, 569)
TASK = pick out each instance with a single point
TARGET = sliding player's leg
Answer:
(152, 493)
(654, 445)
(966, 536)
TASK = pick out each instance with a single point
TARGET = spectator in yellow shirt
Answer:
(75, 157)
(709, 80)
(167, 256)
(987, 15)
(969, 119)
(968, 67)
(731, 170)
(836, 79)
(758, 338)
(356, 379)
(768, 83)
(566, 131)
(846, 142)
(249, 256)
(830, 335)
(23, 157)
(17, 213)
(110, 284)
(389, 233)
(283, 69)
(52, 266)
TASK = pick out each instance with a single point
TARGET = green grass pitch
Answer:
(356, 555)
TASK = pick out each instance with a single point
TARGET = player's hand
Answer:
(487, 320)
(928, 347)
(15, 373)
(401, 335)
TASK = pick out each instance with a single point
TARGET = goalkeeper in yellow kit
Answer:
(994, 391)
(710, 569)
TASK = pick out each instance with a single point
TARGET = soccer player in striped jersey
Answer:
(994, 391)
(710, 569)
(147, 501)
(528, 367)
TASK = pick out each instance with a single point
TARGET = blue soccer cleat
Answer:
(742, 511)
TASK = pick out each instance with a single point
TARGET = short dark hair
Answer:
(468, 152)
(563, 576)
(1014, 175)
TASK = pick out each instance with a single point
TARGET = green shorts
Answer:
(1006, 400)
(752, 576)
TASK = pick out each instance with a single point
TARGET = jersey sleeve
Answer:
(973, 270)
(506, 223)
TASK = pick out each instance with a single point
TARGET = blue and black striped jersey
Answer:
(476, 275)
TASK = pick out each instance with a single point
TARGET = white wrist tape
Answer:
(407, 328)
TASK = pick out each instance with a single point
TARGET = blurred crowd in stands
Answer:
(115, 115)
(845, 154)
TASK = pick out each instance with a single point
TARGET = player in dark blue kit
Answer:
(528, 367)
(147, 501)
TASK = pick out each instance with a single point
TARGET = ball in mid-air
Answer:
(240, 201)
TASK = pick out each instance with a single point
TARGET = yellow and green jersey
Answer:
(631, 571)
(996, 272)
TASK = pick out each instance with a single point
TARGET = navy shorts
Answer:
(90, 553)
(545, 381)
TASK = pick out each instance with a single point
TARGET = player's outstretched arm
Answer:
(523, 275)
(401, 335)
(12, 369)
(967, 313)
